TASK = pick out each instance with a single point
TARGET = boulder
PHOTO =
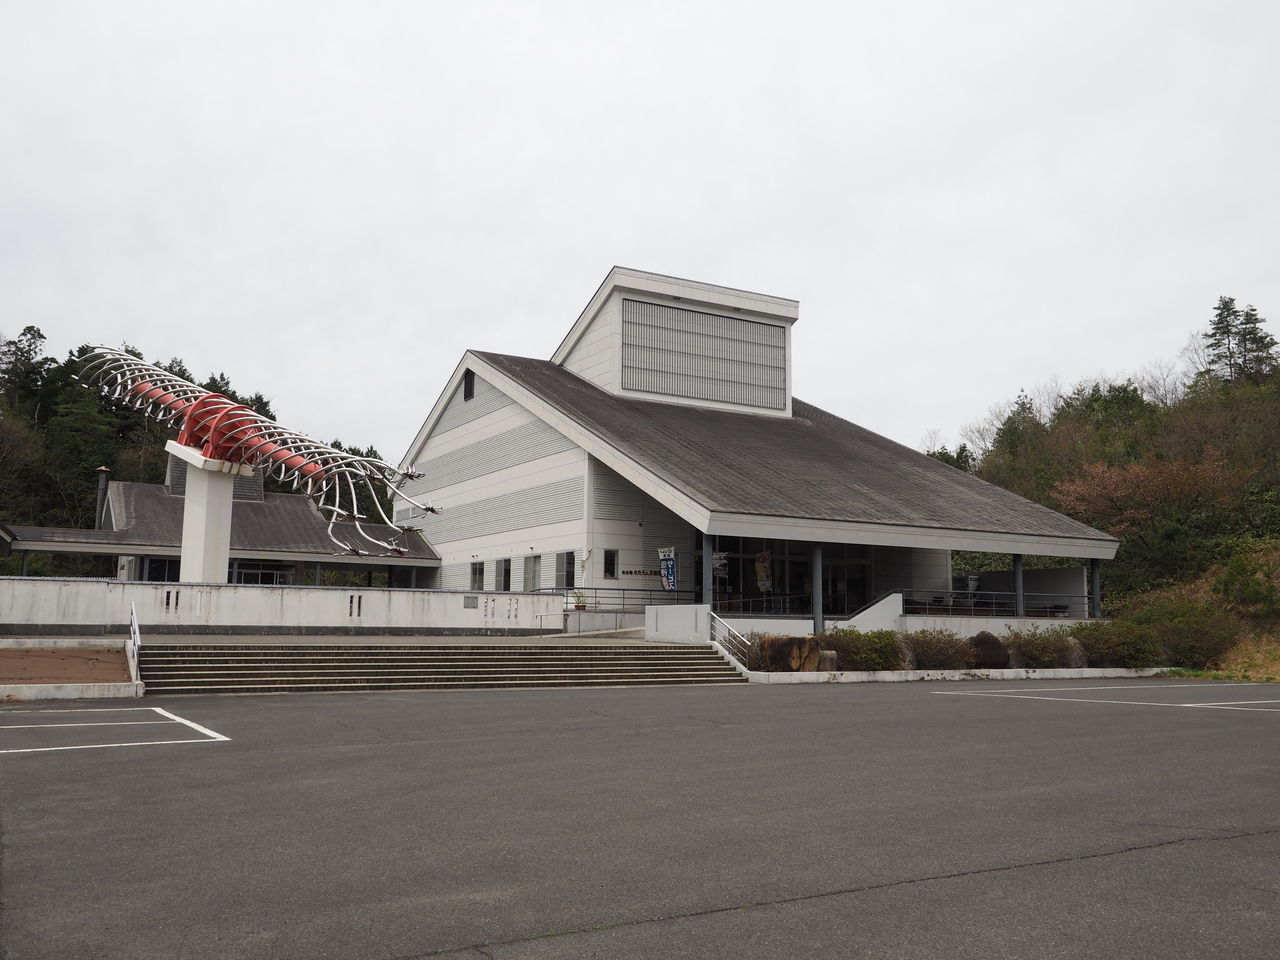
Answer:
(827, 661)
(790, 654)
(989, 652)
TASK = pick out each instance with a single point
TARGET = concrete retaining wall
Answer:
(68, 691)
(31, 605)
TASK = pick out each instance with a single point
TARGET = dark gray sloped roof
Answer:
(813, 465)
(145, 515)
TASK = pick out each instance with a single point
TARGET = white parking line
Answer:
(208, 736)
(1222, 705)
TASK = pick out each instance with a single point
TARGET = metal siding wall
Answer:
(616, 499)
(458, 411)
(455, 576)
(703, 356)
(534, 507)
(524, 444)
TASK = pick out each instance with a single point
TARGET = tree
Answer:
(1132, 499)
(1257, 347)
(962, 459)
(1239, 349)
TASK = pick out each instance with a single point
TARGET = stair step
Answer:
(242, 668)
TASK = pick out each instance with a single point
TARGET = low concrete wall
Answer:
(68, 691)
(881, 615)
(682, 623)
(40, 605)
(587, 621)
(901, 676)
(773, 626)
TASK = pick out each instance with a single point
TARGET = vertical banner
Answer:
(764, 572)
(667, 566)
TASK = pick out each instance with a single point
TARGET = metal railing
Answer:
(619, 599)
(731, 641)
(797, 604)
(989, 603)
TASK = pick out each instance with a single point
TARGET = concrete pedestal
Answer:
(206, 515)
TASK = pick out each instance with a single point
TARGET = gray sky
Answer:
(331, 202)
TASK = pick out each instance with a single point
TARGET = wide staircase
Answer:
(257, 668)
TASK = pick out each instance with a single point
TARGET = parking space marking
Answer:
(1220, 705)
(207, 735)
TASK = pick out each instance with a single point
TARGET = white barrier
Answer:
(46, 605)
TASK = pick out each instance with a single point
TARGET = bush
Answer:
(875, 650)
(1037, 649)
(938, 650)
(1118, 644)
(1191, 635)
(1247, 583)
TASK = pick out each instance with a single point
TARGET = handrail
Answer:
(993, 603)
(613, 599)
(133, 644)
(734, 644)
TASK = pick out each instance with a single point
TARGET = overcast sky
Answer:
(330, 202)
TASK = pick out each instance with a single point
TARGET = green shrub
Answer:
(938, 650)
(1248, 583)
(874, 650)
(1118, 644)
(1038, 649)
(1191, 635)
(755, 651)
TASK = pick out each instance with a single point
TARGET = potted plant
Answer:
(579, 599)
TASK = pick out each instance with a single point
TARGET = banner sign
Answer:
(764, 572)
(720, 564)
(667, 564)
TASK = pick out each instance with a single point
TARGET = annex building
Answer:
(665, 424)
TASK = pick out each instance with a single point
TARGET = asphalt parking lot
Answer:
(1039, 819)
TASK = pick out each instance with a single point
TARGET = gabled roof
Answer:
(813, 474)
(281, 526)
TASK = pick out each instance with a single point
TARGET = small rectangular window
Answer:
(477, 575)
(564, 571)
(468, 384)
(532, 573)
(502, 578)
(611, 564)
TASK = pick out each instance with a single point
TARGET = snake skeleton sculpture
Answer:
(221, 429)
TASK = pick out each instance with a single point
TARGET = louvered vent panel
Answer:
(703, 356)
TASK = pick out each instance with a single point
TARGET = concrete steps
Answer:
(239, 668)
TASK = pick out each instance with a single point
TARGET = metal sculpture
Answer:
(221, 429)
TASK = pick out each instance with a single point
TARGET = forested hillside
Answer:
(55, 433)
(1181, 462)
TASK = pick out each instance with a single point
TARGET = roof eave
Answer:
(898, 535)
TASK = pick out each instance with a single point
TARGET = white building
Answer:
(666, 419)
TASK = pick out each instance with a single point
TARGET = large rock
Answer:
(828, 661)
(790, 654)
(990, 653)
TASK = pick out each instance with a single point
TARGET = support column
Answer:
(1095, 583)
(708, 582)
(206, 515)
(819, 623)
(318, 578)
(26, 559)
(1019, 598)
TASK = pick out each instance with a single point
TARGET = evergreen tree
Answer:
(1239, 348)
(1257, 347)
(1222, 339)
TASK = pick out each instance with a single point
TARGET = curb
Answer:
(69, 691)
(904, 676)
